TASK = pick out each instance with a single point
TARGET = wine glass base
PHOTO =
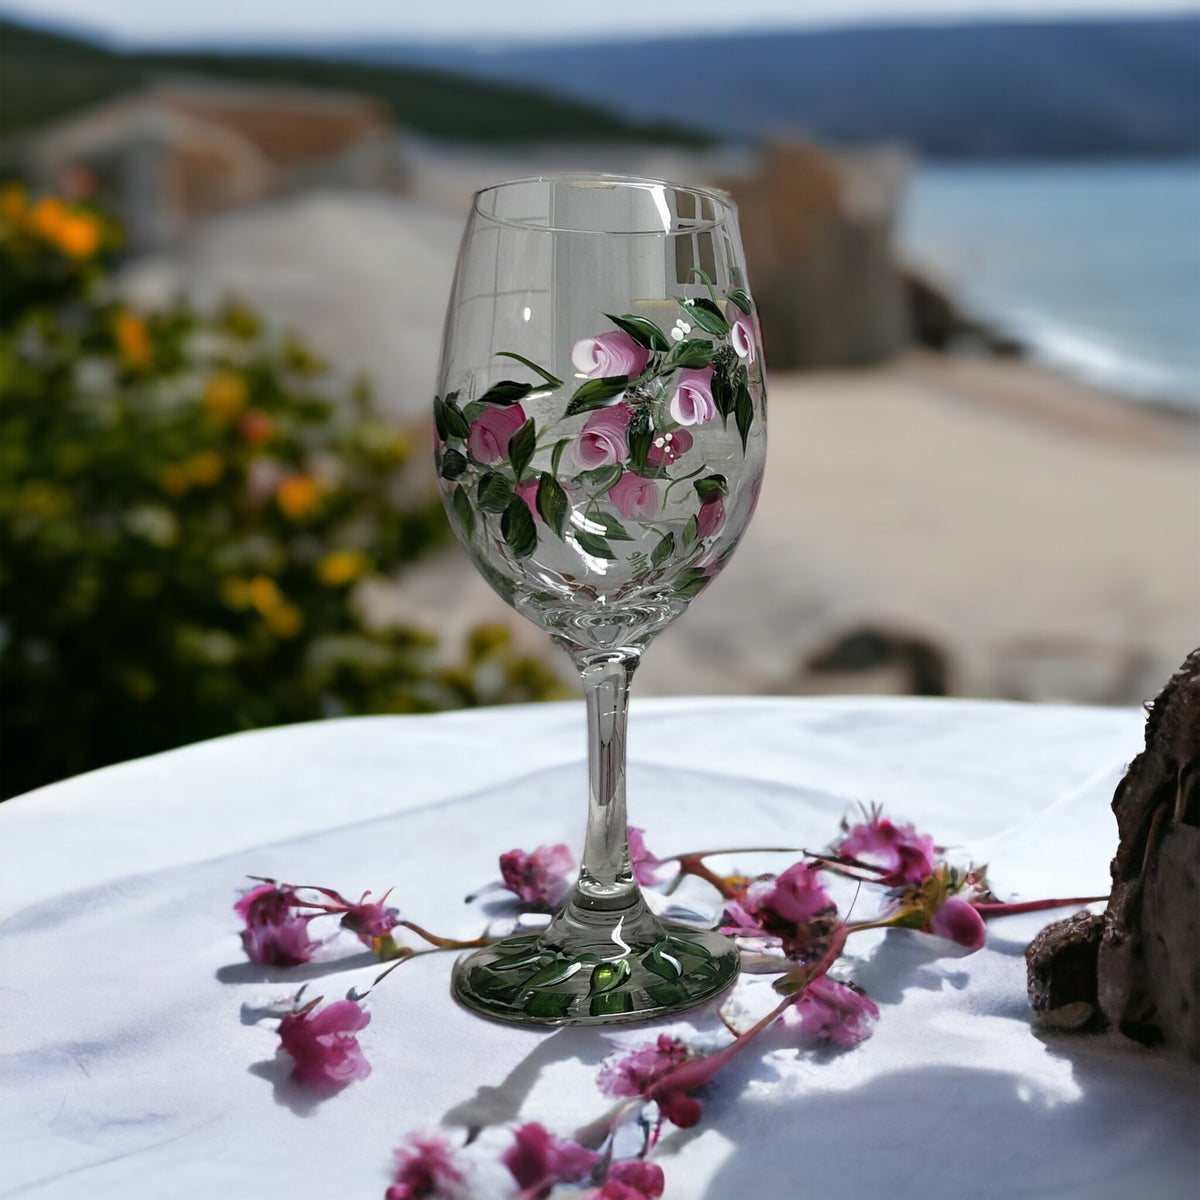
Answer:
(524, 981)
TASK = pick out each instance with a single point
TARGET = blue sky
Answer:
(158, 20)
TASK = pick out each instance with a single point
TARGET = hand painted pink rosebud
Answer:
(902, 854)
(957, 920)
(693, 402)
(633, 1180)
(711, 516)
(609, 354)
(742, 336)
(832, 1012)
(667, 447)
(323, 1047)
(538, 1160)
(541, 879)
(527, 489)
(276, 934)
(604, 440)
(635, 498)
(426, 1170)
(636, 1072)
(487, 439)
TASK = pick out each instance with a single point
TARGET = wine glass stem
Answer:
(606, 882)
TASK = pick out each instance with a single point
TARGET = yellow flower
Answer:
(298, 497)
(341, 567)
(132, 339)
(285, 620)
(13, 202)
(175, 480)
(205, 468)
(263, 592)
(224, 396)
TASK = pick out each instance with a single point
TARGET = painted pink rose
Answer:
(487, 440)
(633, 1180)
(711, 516)
(541, 879)
(832, 1012)
(323, 1047)
(958, 921)
(742, 336)
(604, 440)
(635, 498)
(527, 489)
(609, 354)
(667, 447)
(902, 854)
(693, 402)
(538, 1160)
(426, 1170)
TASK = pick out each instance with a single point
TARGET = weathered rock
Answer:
(1139, 961)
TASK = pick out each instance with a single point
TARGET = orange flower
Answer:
(78, 235)
(13, 202)
(133, 342)
(46, 218)
(285, 620)
(298, 497)
(341, 567)
(224, 396)
(256, 427)
(205, 468)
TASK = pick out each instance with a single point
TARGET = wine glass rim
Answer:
(720, 198)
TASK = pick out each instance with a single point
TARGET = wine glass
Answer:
(600, 441)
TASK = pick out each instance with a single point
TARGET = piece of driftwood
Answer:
(1136, 967)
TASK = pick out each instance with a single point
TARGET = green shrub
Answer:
(189, 509)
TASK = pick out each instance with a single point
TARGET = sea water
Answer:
(1095, 267)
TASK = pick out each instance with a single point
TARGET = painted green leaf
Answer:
(463, 511)
(522, 958)
(600, 479)
(518, 528)
(692, 353)
(662, 963)
(548, 1004)
(722, 391)
(456, 423)
(690, 531)
(613, 529)
(596, 393)
(641, 437)
(552, 380)
(608, 975)
(663, 551)
(711, 485)
(611, 1004)
(439, 418)
(557, 453)
(553, 972)
(494, 492)
(678, 946)
(593, 544)
(521, 447)
(642, 330)
(703, 275)
(742, 300)
(506, 392)
(552, 502)
(454, 464)
(666, 994)
(707, 315)
(474, 411)
(743, 412)
(691, 583)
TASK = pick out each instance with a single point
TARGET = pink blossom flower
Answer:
(609, 354)
(904, 855)
(635, 1073)
(538, 1160)
(487, 439)
(828, 1011)
(542, 879)
(635, 498)
(426, 1170)
(793, 907)
(633, 1180)
(711, 515)
(642, 861)
(603, 440)
(527, 489)
(275, 934)
(957, 920)
(693, 402)
(370, 921)
(743, 336)
(667, 447)
(323, 1047)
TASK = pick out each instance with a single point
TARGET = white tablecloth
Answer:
(127, 1072)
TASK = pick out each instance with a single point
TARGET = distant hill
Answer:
(44, 75)
(987, 90)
